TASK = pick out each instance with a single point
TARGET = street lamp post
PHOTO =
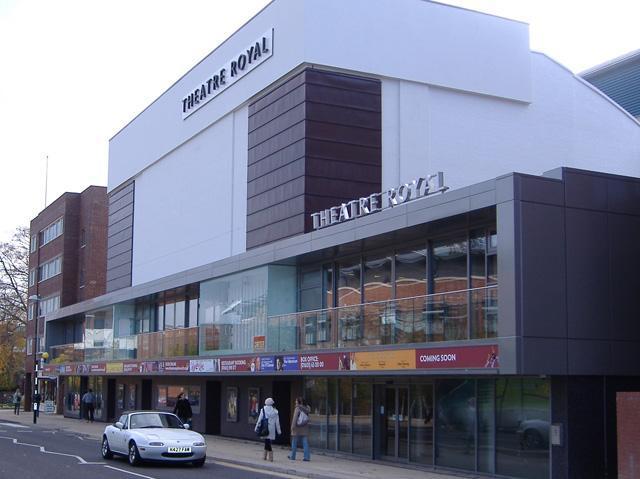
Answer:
(36, 394)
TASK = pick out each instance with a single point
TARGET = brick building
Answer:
(67, 262)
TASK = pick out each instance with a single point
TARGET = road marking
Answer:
(43, 449)
(10, 424)
(252, 469)
(129, 472)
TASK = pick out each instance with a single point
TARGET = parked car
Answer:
(153, 436)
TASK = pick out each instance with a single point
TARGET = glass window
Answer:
(328, 297)
(50, 269)
(32, 277)
(449, 265)
(349, 283)
(169, 316)
(477, 254)
(29, 346)
(33, 243)
(486, 425)
(362, 419)
(315, 393)
(377, 279)
(72, 396)
(421, 439)
(233, 310)
(344, 409)
(48, 305)
(411, 273)
(193, 312)
(52, 231)
(180, 314)
(522, 425)
(456, 424)
(332, 413)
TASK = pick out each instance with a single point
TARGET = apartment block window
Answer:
(50, 269)
(31, 311)
(34, 243)
(52, 231)
(29, 346)
(32, 276)
(83, 237)
(49, 305)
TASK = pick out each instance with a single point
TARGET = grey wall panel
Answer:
(542, 253)
(623, 196)
(589, 356)
(585, 190)
(624, 234)
(588, 294)
(120, 237)
(543, 356)
(508, 268)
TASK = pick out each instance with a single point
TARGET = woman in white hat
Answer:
(271, 413)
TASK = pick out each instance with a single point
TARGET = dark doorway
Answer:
(212, 408)
(282, 398)
(111, 400)
(145, 398)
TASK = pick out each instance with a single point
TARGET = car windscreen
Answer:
(149, 420)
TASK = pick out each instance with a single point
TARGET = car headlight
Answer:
(156, 443)
(199, 444)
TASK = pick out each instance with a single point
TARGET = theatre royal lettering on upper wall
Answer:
(227, 74)
(418, 188)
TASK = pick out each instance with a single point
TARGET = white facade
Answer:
(461, 93)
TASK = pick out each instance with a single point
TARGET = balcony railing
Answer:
(450, 316)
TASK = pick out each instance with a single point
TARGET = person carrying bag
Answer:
(267, 426)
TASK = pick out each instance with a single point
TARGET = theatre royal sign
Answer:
(228, 73)
(418, 188)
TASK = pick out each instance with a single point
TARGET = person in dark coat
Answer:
(183, 409)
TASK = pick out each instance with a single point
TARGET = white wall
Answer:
(475, 137)
(190, 208)
(410, 39)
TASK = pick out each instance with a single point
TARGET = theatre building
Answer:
(394, 209)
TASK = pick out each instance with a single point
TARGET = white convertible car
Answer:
(153, 436)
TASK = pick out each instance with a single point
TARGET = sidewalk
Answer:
(249, 453)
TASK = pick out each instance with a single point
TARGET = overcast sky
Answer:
(74, 72)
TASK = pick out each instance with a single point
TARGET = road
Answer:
(36, 452)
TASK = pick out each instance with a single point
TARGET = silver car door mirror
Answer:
(119, 425)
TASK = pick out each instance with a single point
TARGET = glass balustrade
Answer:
(451, 316)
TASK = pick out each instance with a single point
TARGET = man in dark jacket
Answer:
(300, 430)
(183, 409)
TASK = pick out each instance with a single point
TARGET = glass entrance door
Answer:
(395, 420)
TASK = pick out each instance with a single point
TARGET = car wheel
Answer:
(106, 450)
(532, 439)
(134, 455)
(199, 462)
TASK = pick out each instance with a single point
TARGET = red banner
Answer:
(319, 362)
(238, 364)
(98, 368)
(462, 357)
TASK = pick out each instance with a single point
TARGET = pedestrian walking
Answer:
(17, 397)
(300, 430)
(89, 404)
(183, 409)
(272, 424)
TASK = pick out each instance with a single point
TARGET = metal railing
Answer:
(447, 316)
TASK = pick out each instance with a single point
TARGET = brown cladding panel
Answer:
(311, 155)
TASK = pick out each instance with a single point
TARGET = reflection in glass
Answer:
(449, 266)
(362, 419)
(344, 410)
(349, 283)
(456, 424)
(377, 279)
(332, 413)
(522, 425)
(486, 425)
(421, 423)
(315, 393)
(477, 256)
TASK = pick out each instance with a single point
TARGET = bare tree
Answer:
(14, 281)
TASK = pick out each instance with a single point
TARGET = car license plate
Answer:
(179, 449)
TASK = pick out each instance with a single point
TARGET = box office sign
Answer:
(463, 357)
(225, 75)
